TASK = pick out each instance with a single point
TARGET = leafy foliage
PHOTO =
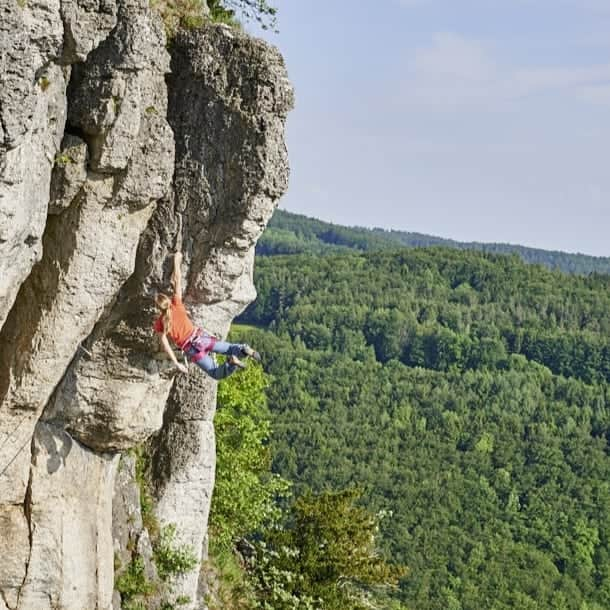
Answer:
(469, 395)
(191, 14)
(181, 600)
(232, 589)
(277, 584)
(327, 555)
(250, 10)
(62, 159)
(134, 586)
(221, 14)
(179, 13)
(172, 559)
(142, 463)
(246, 491)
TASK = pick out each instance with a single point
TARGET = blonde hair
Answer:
(164, 303)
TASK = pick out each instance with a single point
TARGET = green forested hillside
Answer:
(469, 396)
(289, 233)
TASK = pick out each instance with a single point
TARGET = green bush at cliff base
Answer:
(246, 490)
(230, 585)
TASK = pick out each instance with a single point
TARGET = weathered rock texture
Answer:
(109, 161)
(131, 538)
(228, 98)
(70, 518)
(32, 119)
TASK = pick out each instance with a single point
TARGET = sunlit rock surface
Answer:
(112, 156)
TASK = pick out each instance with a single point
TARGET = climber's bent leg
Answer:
(208, 364)
(239, 350)
(229, 349)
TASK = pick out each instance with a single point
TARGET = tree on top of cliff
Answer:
(191, 14)
(250, 10)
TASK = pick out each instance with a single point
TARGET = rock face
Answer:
(70, 519)
(111, 159)
(228, 98)
(32, 118)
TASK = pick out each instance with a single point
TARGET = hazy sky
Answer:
(484, 120)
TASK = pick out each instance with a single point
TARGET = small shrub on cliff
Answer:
(179, 13)
(133, 585)
(146, 502)
(172, 559)
(190, 13)
(182, 600)
(220, 14)
(62, 159)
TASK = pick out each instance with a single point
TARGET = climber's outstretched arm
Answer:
(176, 276)
(170, 352)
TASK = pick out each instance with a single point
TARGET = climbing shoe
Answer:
(235, 361)
(248, 351)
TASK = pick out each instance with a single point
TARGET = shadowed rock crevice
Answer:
(27, 511)
(36, 298)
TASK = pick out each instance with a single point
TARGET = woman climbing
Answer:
(194, 342)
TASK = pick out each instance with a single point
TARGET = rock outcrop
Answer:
(231, 166)
(111, 158)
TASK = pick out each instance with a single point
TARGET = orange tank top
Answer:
(182, 327)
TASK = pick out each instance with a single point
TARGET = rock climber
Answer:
(196, 343)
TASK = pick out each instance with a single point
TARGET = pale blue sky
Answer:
(484, 120)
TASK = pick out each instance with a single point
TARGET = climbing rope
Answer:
(27, 440)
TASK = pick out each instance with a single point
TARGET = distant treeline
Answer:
(289, 233)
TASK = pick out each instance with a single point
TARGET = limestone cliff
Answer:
(113, 154)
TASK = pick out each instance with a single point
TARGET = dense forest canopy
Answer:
(468, 395)
(292, 234)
